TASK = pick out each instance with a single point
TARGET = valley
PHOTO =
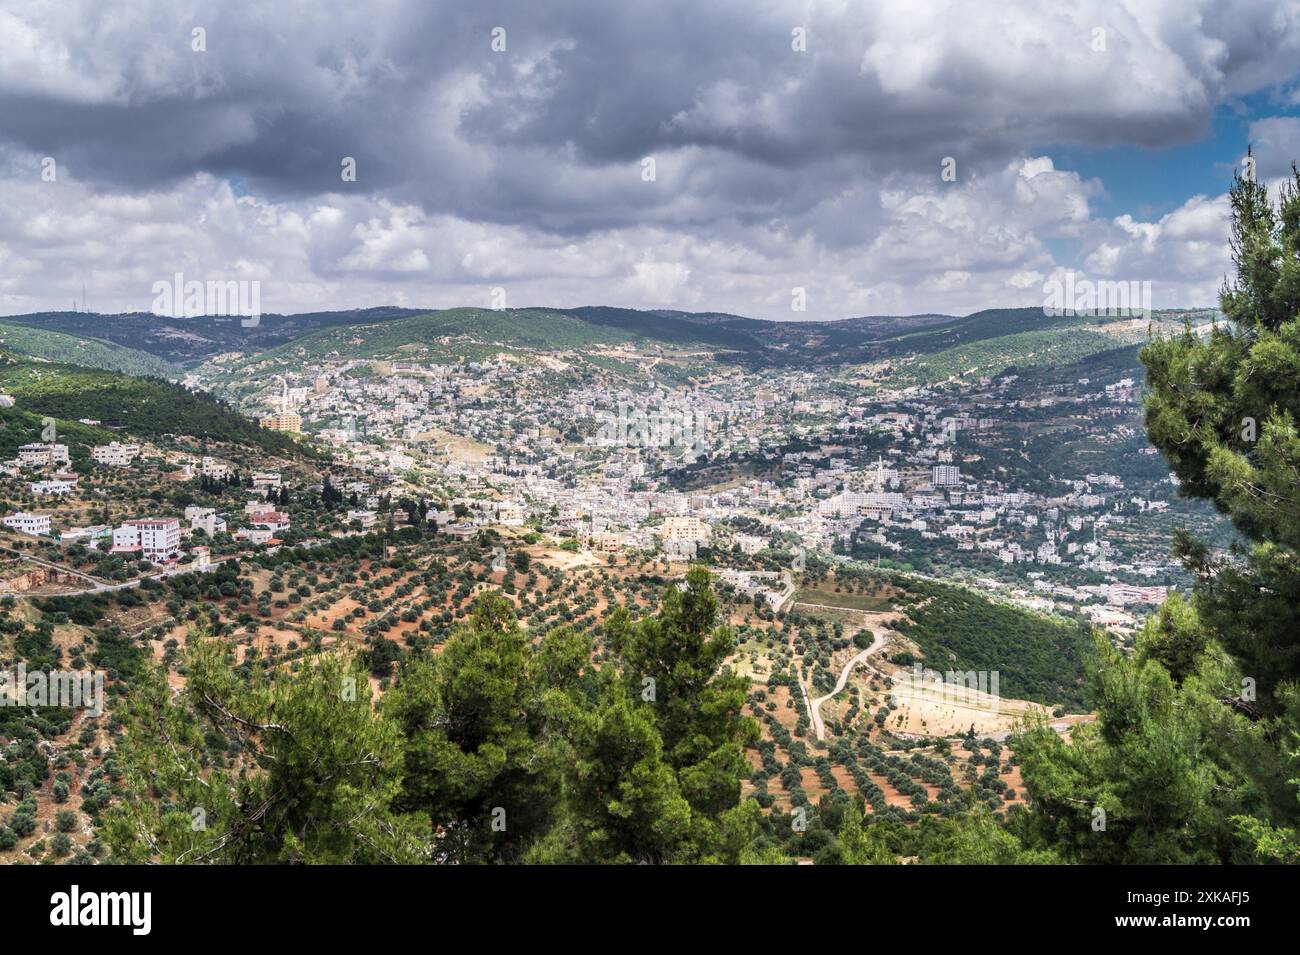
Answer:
(973, 519)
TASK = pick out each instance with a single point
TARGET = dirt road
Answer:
(814, 708)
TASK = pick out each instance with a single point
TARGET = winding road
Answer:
(814, 707)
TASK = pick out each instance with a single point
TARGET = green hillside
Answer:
(988, 356)
(18, 427)
(188, 341)
(144, 407)
(464, 334)
(55, 346)
(523, 328)
(1036, 657)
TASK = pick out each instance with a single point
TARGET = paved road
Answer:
(814, 708)
(100, 587)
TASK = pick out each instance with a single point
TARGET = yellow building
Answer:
(282, 421)
(685, 529)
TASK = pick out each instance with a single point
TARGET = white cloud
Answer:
(775, 168)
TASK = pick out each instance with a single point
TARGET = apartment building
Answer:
(271, 520)
(214, 468)
(44, 455)
(156, 539)
(205, 519)
(945, 475)
(282, 421)
(685, 528)
(115, 454)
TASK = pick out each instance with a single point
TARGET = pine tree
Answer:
(474, 722)
(1196, 752)
(673, 662)
(238, 770)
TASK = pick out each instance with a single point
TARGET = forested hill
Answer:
(915, 349)
(74, 349)
(188, 341)
(144, 407)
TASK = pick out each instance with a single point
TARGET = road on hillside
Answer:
(99, 586)
(814, 708)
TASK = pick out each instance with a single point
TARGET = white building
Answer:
(679, 549)
(51, 488)
(213, 468)
(510, 514)
(43, 455)
(945, 475)
(366, 518)
(25, 523)
(115, 454)
(254, 535)
(205, 519)
(156, 539)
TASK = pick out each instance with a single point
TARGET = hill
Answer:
(982, 343)
(445, 333)
(188, 341)
(598, 344)
(145, 407)
(682, 328)
(1037, 657)
(90, 352)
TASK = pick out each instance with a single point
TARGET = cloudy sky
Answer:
(708, 155)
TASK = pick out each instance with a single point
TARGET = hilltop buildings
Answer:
(282, 418)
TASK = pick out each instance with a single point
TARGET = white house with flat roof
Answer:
(27, 523)
(115, 454)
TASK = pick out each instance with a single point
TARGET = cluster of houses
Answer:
(53, 459)
(156, 539)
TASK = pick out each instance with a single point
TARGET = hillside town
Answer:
(745, 462)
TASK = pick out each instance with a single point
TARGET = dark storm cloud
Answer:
(774, 167)
(550, 132)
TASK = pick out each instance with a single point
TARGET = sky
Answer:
(706, 155)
